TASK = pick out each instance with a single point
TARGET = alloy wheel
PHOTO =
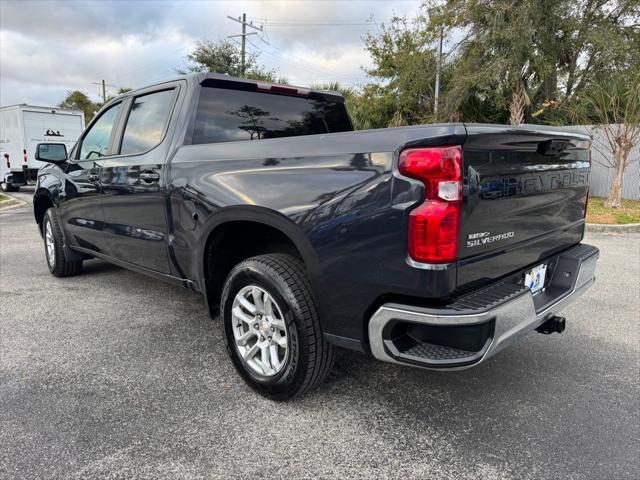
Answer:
(260, 331)
(49, 244)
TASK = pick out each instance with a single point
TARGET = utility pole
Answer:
(104, 89)
(244, 42)
(438, 68)
(244, 34)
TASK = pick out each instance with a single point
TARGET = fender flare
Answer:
(264, 216)
(42, 192)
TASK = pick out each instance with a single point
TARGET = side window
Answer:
(147, 119)
(95, 143)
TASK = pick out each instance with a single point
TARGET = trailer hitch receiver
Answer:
(553, 325)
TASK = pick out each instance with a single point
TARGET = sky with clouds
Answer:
(48, 48)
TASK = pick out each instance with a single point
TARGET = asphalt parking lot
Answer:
(114, 375)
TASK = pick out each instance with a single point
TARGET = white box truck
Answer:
(22, 127)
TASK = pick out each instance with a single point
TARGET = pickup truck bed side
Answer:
(334, 203)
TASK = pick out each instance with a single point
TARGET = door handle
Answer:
(149, 176)
(93, 177)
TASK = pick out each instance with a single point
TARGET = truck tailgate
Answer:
(525, 192)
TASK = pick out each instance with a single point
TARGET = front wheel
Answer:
(7, 187)
(54, 248)
(272, 329)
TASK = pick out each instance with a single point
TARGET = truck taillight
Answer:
(24, 153)
(434, 225)
(6, 157)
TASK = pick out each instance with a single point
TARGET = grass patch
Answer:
(598, 213)
(4, 198)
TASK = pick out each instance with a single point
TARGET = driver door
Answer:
(80, 209)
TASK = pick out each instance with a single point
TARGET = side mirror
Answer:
(51, 152)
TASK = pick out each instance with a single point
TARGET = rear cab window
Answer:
(231, 114)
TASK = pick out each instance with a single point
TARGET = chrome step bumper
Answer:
(478, 325)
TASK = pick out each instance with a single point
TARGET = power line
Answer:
(315, 76)
(316, 24)
(304, 23)
(315, 72)
(311, 77)
(281, 59)
(310, 66)
(299, 66)
(245, 34)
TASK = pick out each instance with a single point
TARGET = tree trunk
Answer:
(518, 104)
(614, 200)
(550, 86)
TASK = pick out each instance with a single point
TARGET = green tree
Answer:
(258, 72)
(370, 107)
(77, 100)
(497, 59)
(504, 61)
(374, 107)
(226, 57)
(613, 105)
(403, 70)
(595, 38)
(534, 57)
(350, 95)
(220, 57)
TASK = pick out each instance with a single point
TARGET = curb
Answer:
(603, 228)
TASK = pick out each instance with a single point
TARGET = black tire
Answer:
(7, 187)
(60, 266)
(310, 357)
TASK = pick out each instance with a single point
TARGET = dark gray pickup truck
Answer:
(434, 246)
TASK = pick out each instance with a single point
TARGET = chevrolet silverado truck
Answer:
(434, 246)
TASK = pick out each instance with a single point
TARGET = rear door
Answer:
(133, 181)
(525, 198)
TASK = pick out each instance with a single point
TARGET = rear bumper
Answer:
(477, 326)
(21, 177)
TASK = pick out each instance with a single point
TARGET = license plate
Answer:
(534, 278)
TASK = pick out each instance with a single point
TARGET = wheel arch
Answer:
(42, 201)
(275, 233)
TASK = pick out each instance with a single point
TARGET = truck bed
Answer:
(347, 197)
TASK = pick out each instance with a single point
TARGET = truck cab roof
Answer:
(237, 83)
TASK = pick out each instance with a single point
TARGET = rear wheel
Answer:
(272, 328)
(54, 250)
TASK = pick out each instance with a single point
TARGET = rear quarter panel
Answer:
(338, 192)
